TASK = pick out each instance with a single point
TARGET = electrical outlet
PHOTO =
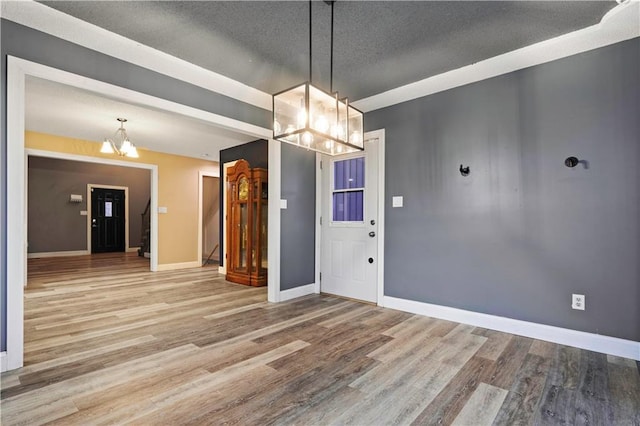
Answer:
(578, 301)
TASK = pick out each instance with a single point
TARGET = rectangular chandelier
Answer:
(311, 118)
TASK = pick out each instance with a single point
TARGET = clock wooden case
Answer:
(247, 198)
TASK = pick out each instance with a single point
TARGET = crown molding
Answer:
(619, 24)
(53, 22)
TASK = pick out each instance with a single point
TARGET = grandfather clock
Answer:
(247, 197)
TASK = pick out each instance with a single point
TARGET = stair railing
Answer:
(145, 230)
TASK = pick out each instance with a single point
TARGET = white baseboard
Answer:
(295, 292)
(69, 253)
(564, 336)
(3, 362)
(222, 270)
(183, 265)
(58, 254)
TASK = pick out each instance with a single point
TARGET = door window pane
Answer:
(348, 174)
(347, 206)
(348, 190)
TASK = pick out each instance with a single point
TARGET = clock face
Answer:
(243, 189)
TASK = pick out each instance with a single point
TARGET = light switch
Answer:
(162, 209)
(83, 212)
(283, 204)
(397, 201)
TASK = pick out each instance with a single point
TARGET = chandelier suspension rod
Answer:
(310, 42)
(331, 55)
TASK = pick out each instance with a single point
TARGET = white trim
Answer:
(293, 293)
(90, 186)
(222, 269)
(379, 135)
(318, 237)
(131, 96)
(201, 175)
(181, 265)
(58, 254)
(16, 214)
(619, 24)
(86, 159)
(3, 362)
(273, 256)
(69, 28)
(564, 336)
(132, 249)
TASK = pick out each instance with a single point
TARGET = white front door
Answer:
(349, 252)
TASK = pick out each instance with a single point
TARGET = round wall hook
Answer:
(464, 171)
(571, 162)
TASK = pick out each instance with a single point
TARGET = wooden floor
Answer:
(107, 342)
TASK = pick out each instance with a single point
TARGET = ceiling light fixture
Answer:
(311, 118)
(120, 144)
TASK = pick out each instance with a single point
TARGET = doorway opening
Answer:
(210, 220)
(351, 209)
(64, 202)
(18, 71)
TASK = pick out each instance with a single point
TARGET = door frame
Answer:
(90, 186)
(379, 135)
(18, 70)
(201, 175)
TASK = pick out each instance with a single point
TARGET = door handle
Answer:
(372, 234)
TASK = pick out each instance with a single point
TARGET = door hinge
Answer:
(320, 276)
(320, 164)
(320, 220)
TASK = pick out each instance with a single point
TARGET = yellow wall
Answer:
(177, 190)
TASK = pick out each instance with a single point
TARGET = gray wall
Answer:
(297, 226)
(522, 232)
(55, 224)
(26, 43)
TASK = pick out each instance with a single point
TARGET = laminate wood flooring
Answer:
(108, 342)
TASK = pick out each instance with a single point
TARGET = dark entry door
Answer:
(107, 220)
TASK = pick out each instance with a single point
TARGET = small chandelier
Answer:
(311, 118)
(120, 144)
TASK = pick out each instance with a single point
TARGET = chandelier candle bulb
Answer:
(106, 147)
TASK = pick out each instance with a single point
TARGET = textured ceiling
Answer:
(62, 110)
(378, 45)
